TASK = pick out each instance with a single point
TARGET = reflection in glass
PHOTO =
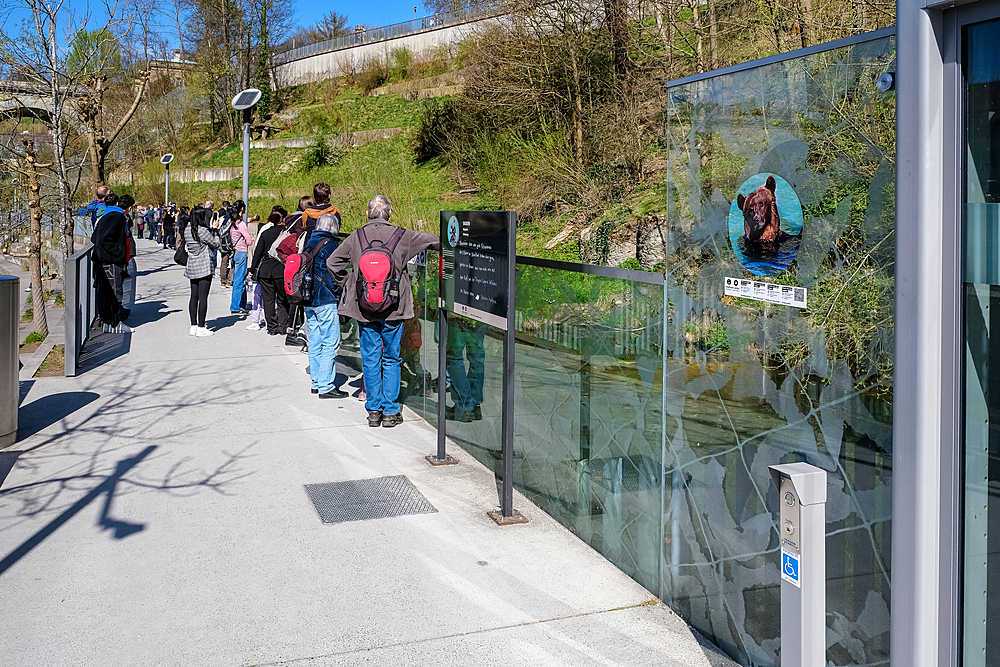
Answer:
(750, 384)
(466, 364)
(588, 403)
(981, 266)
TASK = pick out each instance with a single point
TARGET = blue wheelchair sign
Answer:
(790, 568)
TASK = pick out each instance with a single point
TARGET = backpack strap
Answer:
(394, 239)
(316, 248)
(363, 238)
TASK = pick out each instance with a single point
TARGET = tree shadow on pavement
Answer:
(121, 439)
(7, 461)
(48, 410)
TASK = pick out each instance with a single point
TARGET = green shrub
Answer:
(373, 73)
(437, 61)
(321, 153)
(33, 337)
(402, 63)
(437, 125)
(325, 120)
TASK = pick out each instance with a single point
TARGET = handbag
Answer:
(181, 254)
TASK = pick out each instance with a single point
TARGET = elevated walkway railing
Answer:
(369, 35)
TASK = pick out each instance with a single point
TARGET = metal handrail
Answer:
(369, 35)
(648, 277)
(81, 306)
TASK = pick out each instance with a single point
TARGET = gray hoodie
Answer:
(343, 265)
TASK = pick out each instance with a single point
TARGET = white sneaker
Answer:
(194, 330)
(203, 331)
(253, 327)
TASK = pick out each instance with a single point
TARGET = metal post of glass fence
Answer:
(10, 312)
(508, 515)
(442, 458)
(802, 538)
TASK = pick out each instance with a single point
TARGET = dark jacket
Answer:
(348, 254)
(109, 238)
(269, 267)
(325, 289)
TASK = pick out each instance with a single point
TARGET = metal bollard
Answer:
(802, 495)
(10, 311)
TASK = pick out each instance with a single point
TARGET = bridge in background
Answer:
(31, 99)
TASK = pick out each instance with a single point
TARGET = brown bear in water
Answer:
(761, 223)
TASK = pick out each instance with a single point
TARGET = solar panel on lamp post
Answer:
(244, 101)
(165, 161)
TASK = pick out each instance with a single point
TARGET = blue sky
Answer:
(373, 12)
(307, 12)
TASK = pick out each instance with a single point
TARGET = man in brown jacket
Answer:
(381, 334)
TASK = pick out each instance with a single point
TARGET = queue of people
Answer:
(362, 277)
(338, 285)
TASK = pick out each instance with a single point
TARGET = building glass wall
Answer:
(981, 291)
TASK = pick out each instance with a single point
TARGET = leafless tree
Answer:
(31, 167)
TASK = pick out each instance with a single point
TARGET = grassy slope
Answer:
(418, 192)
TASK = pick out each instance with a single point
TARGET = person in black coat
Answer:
(169, 217)
(110, 255)
(270, 273)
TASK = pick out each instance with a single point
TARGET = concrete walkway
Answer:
(153, 512)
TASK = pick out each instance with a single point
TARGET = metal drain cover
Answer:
(363, 499)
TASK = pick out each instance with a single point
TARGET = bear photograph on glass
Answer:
(765, 224)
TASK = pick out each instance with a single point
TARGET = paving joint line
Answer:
(652, 602)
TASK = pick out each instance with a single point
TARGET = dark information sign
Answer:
(475, 260)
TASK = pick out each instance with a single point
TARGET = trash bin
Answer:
(10, 311)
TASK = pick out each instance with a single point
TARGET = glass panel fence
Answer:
(646, 414)
(588, 404)
(783, 174)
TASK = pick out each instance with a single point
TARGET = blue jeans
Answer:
(466, 386)
(324, 343)
(380, 343)
(239, 301)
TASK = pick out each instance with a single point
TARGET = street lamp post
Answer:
(165, 161)
(244, 101)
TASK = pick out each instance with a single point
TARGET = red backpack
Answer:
(378, 278)
(298, 275)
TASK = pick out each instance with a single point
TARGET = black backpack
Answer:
(226, 246)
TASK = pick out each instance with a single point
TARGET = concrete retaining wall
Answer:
(214, 174)
(351, 59)
(409, 88)
(353, 140)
